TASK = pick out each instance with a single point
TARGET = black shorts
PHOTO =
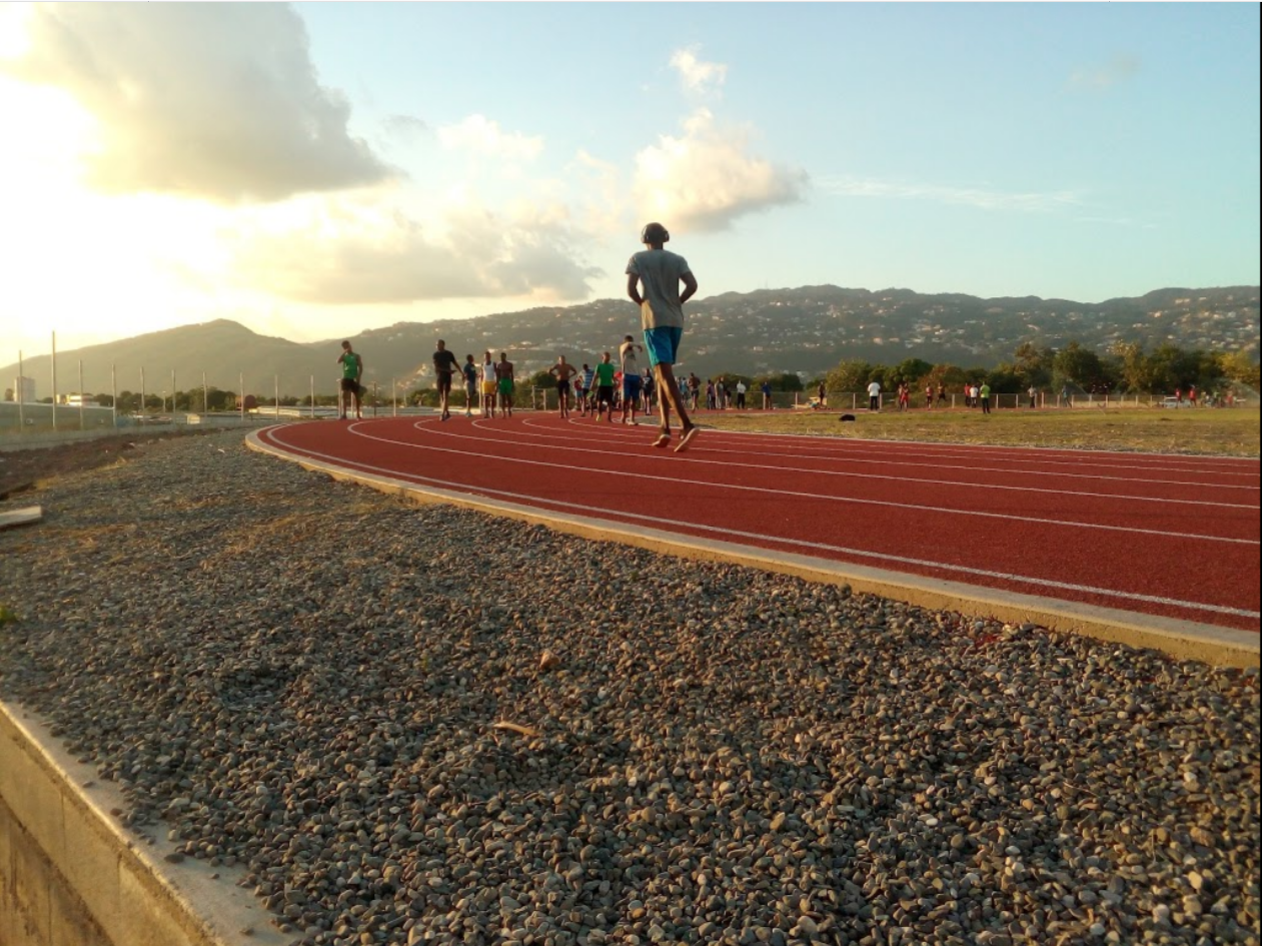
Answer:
(444, 382)
(351, 385)
(604, 394)
(563, 387)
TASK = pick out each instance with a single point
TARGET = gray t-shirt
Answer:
(659, 272)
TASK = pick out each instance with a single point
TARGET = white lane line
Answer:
(780, 493)
(705, 448)
(1180, 463)
(529, 500)
(902, 461)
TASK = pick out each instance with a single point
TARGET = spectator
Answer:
(874, 395)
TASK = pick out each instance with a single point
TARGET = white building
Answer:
(24, 390)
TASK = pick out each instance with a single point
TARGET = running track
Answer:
(1157, 535)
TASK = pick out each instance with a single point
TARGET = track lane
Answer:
(1173, 564)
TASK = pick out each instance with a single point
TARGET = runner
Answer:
(604, 388)
(504, 379)
(470, 385)
(489, 386)
(659, 272)
(352, 369)
(588, 377)
(563, 371)
(631, 381)
(444, 367)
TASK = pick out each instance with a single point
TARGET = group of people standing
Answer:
(489, 385)
(602, 390)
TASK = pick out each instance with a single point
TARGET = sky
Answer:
(313, 170)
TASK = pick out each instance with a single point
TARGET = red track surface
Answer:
(1156, 534)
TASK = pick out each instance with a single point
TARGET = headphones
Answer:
(654, 233)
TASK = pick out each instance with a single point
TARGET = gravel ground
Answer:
(423, 725)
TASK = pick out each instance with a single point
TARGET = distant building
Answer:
(77, 400)
(24, 389)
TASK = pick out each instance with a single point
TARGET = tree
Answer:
(1005, 379)
(787, 381)
(1138, 372)
(849, 376)
(1033, 364)
(1239, 368)
(541, 379)
(914, 371)
(1081, 367)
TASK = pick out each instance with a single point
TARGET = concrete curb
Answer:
(1183, 640)
(71, 875)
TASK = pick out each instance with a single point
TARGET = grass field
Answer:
(1228, 432)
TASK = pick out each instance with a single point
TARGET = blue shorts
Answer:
(631, 386)
(662, 344)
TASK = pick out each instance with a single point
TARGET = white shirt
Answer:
(874, 389)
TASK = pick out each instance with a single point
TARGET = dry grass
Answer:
(1226, 432)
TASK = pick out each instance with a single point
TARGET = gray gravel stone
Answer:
(313, 680)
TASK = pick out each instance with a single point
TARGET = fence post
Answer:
(113, 397)
(54, 365)
(21, 394)
(81, 408)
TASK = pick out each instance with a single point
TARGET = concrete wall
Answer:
(37, 906)
(71, 875)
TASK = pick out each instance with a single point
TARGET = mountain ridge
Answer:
(807, 330)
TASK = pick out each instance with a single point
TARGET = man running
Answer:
(352, 369)
(504, 379)
(632, 384)
(445, 366)
(563, 371)
(659, 272)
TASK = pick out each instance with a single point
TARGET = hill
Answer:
(806, 330)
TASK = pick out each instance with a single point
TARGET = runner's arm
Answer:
(633, 289)
(690, 287)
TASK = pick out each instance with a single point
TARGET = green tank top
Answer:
(350, 365)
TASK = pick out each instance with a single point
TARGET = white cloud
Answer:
(479, 134)
(697, 76)
(705, 179)
(210, 100)
(1029, 202)
(343, 252)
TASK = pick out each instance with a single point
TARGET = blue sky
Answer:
(312, 170)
